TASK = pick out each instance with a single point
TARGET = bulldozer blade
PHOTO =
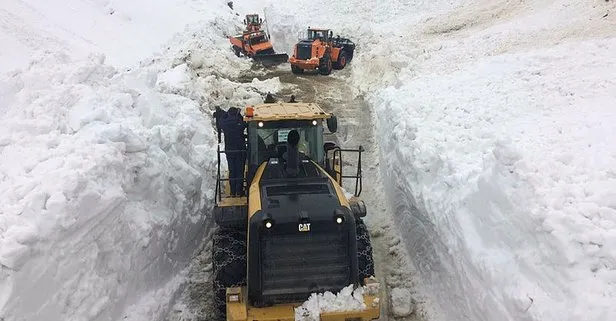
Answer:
(269, 60)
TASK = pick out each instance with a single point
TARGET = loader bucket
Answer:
(270, 60)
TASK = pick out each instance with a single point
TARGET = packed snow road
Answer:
(399, 299)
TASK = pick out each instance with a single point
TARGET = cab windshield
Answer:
(270, 141)
(317, 34)
(253, 19)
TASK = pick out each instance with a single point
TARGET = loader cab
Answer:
(269, 126)
(321, 34)
(268, 139)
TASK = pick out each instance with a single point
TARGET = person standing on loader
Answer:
(233, 125)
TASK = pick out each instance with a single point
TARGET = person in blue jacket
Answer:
(232, 124)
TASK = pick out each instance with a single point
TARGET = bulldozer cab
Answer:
(253, 21)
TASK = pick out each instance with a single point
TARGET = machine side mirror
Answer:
(327, 146)
(245, 21)
(332, 124)
(331, 34)
(260, 20)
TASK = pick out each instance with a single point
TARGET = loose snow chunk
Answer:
(401, 302)
(175, 81)
(346, 300)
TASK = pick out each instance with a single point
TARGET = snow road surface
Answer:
(493, 120)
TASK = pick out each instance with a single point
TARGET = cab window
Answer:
(270, 140)
(317, 34)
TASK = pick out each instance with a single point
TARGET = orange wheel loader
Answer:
(320, 50)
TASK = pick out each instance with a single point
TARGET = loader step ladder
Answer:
(223, 189)
(338, 172)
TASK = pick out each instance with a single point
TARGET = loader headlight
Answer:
(339, 216)
(314, 122)
(234, 294)
(268, 222)
(260, 124)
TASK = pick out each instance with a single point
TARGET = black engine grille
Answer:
(304, 51)
(293, 266)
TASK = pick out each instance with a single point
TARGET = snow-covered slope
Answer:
(126, 31)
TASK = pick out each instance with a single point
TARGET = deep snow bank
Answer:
(501, 158)
(101, 188)
(512, 171)
(105, 174)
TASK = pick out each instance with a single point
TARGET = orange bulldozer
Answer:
(255, 43)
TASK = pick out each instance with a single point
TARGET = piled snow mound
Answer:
(346, 300)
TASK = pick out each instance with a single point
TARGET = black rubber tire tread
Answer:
(228, 265)
(365, 261)
(337, 65)
(296, 70)
(325, 68)
(237, 50)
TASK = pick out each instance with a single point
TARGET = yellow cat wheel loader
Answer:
(295, 232)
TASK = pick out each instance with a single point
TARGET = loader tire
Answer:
(296, 70)
(228, 264)
(365, 261)
(342, 61)
(325, 67)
